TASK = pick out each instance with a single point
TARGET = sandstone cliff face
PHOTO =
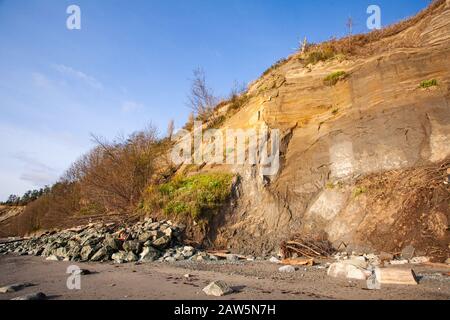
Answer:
(375, 122)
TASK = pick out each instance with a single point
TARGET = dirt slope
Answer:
(376, 128)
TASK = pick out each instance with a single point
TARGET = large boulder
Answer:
(112, 242)
(101, 255)
(86, 252)
(132, 246)
(120, 257)
(162, 242)
(217, 289)
(149, 254)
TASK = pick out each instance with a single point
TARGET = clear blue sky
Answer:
(131, 62)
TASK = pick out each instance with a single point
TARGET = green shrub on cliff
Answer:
(198, 196)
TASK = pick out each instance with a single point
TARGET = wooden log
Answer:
(396, 276)
(298, 262)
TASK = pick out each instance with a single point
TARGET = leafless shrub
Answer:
(201, 98)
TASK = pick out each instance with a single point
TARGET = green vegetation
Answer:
(428, 83)
(28, 197)
(359, 191)
(320, 54)
(330, 185)
(198, 197)
(334, 77)
(335, 111)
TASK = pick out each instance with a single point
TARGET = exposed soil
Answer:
(251, 280)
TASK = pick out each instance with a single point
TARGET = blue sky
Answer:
(130, 65)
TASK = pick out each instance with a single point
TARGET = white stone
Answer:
(274, 260)
(346, 270)
(287, 269)
(217, 289)
(419, 260)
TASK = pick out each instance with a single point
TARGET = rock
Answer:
(131, 257)
(161, 242)
(61, 252)
(120, 257)
(419, 260)
(15, 287)
(347, 270)
(398, 262)
(101, 255)
(274, 260)
(232, 257)
(188, 251)
(32, 296)
(132, 246)
(149, 254)
(168, 232)
(178, 256)
(408, 252)
(146, 236)
(111, 242)
(86, 253)
(286, 269)
(447, 261)
(153, 226)
(170, 259)
(217, 289)
(74, 253)
(52, 258)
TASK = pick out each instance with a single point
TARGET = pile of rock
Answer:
(145, 241)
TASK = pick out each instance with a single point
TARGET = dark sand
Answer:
(251, 280)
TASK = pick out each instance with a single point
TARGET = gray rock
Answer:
(101, 255)
(274, 260)
(52, 258)
(15, 287)
(408, 252)
(86, 253)
(132, 246)
(61, 252)
(161, 242)
(170, 259)
(217, 289)
(149, 254)
(111, 242)
(120, 257)
(32, 296)
(286, 269)
(131, 257)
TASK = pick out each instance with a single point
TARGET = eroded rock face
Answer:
(376, 122)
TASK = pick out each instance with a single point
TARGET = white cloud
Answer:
(130, 106)
(71, 72)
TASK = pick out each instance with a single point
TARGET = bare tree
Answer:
(201, 98)
(350, 24)
(170, 129)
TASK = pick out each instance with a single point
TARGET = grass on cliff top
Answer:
(334, 78)
(428, 83)
(198, 197)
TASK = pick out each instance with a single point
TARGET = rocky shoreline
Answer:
(145, 241)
